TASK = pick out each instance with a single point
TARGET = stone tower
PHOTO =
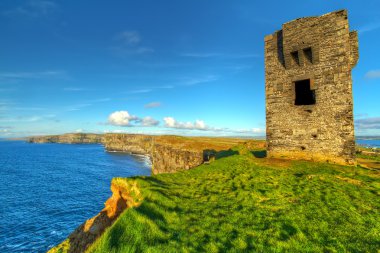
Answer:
(308, 87)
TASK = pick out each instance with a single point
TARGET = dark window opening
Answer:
(295, 57)
(308, 54)
(304, 95)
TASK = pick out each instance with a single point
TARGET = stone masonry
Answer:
(309, 102)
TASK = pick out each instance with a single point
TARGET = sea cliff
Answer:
(168, 153)
(71, 138)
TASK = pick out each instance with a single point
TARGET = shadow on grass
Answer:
(212, 154)
(156, 182)
(259, 153)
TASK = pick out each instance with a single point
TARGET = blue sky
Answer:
(160, 67)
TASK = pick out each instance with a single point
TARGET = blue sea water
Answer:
(47, 190)
(369, 143)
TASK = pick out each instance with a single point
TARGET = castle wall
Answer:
(323, 131)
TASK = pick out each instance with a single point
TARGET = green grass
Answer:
(242, 204)
(369, 157)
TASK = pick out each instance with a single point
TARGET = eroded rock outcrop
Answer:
(167, 159)
(125, 194)
(130, 143)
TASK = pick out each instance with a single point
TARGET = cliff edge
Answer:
(171, 153)
(70, 138)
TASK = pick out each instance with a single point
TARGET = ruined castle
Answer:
(308, 87)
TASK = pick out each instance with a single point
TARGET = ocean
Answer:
(47, 190)
(368, 143)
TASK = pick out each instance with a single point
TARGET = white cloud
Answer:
(149, 121)
(170, 122)
(152, 105)
(121, 118)
(80, 130)
(373, 74)
(125, 119)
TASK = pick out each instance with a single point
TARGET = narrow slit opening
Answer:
(308, 54)
(295, 57)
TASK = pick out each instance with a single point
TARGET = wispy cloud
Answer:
(84, 104)
(140, 91)
(28, 108)
(200, 55)
(149, 121)
(128, 37)
(32, 9)
(152, 105)
(129, 42)
(373, 74)
(7, 89)
(180, 82)
(220, 55)
(77, 107)
(369, 27)
(361, 115)
(100, 100)
(74, 89)
(31, 75)
(198, 80)
(35, 118)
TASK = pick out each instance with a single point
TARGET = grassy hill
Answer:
(243, 203)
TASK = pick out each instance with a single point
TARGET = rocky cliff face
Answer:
(125, 194)
(167, 159)
(75, 138)
(170, 153)
(130, 143)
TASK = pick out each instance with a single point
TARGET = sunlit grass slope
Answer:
(242, 204)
